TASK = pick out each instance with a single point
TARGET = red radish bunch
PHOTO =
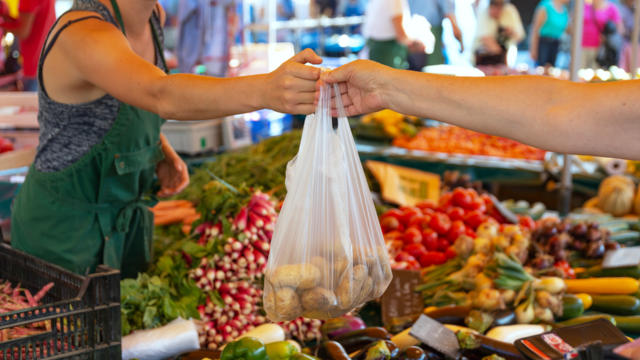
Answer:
(423, 235)
(303, 329)
(231, 278)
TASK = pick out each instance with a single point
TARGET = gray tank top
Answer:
(67, 132)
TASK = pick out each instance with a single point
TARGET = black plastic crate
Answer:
(83, 311)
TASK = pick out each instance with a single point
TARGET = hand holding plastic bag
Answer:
(327, 254)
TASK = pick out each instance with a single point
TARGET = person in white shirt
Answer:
(387, 39)
(499, 30)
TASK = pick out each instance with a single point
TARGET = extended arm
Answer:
(598, 119)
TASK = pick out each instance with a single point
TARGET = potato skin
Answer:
(318, 298)
(284, 303)
(297, 276)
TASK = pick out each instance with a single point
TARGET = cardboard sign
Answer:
(622, 257)
(401, 305)
(405, 186)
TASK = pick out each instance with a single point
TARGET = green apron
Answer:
(96, 210)
(389, 52)
(437, 56)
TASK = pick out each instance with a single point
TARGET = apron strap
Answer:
(154, 32)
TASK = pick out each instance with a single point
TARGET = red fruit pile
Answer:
(423, 235)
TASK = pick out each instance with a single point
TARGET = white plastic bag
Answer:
(175, 338)
(327, 253)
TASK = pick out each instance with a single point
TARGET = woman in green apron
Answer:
(103, 95)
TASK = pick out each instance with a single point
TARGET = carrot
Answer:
(168, 204)
(190, 219)
(186, 229)
(175, 216)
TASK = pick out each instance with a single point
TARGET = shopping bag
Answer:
(327, 253)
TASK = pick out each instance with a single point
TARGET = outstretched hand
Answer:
(362, 86)
(291, 88)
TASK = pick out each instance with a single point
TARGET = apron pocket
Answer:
(126, 163)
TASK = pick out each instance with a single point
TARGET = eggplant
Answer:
(504, 317)
(358, 339)
(454, 315)
(490, 346)
(332, 350)
(412, 353)
(379, 350)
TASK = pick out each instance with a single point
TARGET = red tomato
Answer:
(478, 204)
(430, 239)
(487, 200)
(395, 213)
(404, 256)
(456, 213)
(426, 211)
(445, 199)
(440, 223)
(474, 219)
(427, 204)
(526, 222)
(415, 250)
(443, 244)
(470, 233)
(462, 198)
(457, 229)
(416, 221)
(408, 213)
(450, 253)
(390, 223)
(412, 235)
(413, 265)
(436, 258)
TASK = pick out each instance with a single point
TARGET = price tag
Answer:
(405, 186)
(436, 336)
(401, 305)
(621, 257)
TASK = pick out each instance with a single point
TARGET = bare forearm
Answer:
(551, 114)
(190, 97)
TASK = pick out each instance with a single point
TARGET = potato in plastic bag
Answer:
(327, 253)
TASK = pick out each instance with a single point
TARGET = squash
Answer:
(615, 195)
(636, 202)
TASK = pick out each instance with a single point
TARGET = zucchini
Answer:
(572, 307)
(598, 271)
(628, 324)
(604, 285)
(615, 225)
(625, 236)
(586, 319)
(616, 304)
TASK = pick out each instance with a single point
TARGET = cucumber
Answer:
(616, 304)
(625, 236)
(615, 225)
(598, 271)
(628, 324)
(572, 307)
(586, 319)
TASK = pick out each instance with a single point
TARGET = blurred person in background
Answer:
(549, 24)
(31, 27)
(499, 30)
(387, 39)
(597, 13)
(627, 9)
(321, 8)
(435, 11)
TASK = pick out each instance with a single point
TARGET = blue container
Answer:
(267, 123)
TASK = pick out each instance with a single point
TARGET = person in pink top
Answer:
(31, 28)
(596, 15)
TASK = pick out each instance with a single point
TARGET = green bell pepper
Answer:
(248, 348)
(280, 350)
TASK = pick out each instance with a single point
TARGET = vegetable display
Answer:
(15, 298)
(455, 140)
